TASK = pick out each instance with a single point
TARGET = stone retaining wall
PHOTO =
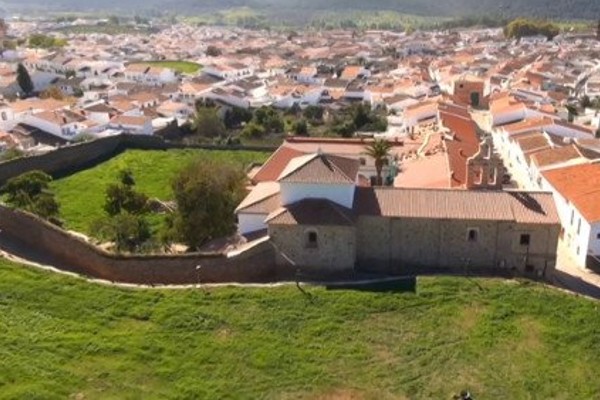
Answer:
(256, 264)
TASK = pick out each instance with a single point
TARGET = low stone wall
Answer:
(257, 264)
(73, 158)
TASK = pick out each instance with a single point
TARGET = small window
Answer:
(525, 239)
(472, 235)
(598, 236)
(363, 161)
(312, 239)
(579, 226)
(572, 216)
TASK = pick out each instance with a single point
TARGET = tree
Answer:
(269, 119)
(236, 116)
(253, 131)
(113, 20)
(206, 193)
(300, 127)
(24, 80)
(213, 51)
(207, 123)
(522, 27)
(30, 191)
(45, 42)
(124, 223)
(122, 197)
(313, 113)
(129, 232)
(379, 151)
(11, 154)
(53, 92)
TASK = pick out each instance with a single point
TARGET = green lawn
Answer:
(184, 67)
(64, 337)
(81, 196)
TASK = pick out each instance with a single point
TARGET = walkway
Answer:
(574, 278)
(567, 276)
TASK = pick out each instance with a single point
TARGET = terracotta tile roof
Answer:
(320, 168)
(341, 147)
(275, 165)
(312, 212)
(527, 125)
(129, 120)
(465, 144)
(532, 141)
(425, 172)
(526, 207)
(555, 155)
(580, 184)
(351, 71)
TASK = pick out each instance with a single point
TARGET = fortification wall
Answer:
(257, 264)
(73, 158)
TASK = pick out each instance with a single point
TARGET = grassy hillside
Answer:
(81, 196)
(62, 338)
(184, 67)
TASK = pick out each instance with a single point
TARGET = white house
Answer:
(576, 191)
(231, 71)
(63, 123)
(139, 125)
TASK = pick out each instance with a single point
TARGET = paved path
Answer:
(568, 276)
(574, 278)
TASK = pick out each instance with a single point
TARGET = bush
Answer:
(206, 193)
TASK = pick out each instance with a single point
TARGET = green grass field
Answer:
(62, 338)
(184, 67)
(81, 196)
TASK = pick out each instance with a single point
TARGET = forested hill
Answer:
(564, 9)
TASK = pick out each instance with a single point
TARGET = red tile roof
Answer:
(275, 165)
(580, 184)
(465, 144)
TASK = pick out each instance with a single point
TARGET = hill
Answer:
(65, 338)
(568, 9)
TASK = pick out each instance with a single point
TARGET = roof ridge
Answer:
(331, 159)
(309, 157)
(258, 200)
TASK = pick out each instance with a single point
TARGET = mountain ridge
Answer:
(564, 9)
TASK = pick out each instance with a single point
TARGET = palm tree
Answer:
(379, 150)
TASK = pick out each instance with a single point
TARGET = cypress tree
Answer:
(24, 80)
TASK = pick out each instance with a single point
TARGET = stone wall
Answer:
(73, 158)
(407, 244)
(257, 264)
(335, 250)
